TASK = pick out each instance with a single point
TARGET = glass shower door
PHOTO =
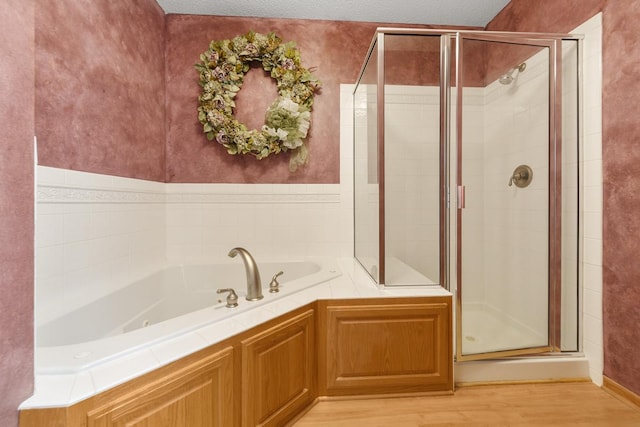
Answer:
(506, 195)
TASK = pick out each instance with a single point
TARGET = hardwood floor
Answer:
(548, 404)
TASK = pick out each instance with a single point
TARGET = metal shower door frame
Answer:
(552, 43)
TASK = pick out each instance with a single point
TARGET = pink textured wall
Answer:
(191, 158)
(336, 49)
(100, 87)
(101, 103)
(621, 174)
(558, 16)
(16, 206)
(621, 162)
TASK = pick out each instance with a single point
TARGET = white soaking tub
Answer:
(168, 303)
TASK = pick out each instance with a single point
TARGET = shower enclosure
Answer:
(466, 173)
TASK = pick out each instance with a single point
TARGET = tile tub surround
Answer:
(97, 233)
(65, 389)
(94, 234)
(206, 220)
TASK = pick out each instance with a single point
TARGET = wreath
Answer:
(288, 118)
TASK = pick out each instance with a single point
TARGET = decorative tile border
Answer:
(253, 198)
(64, 194)
(77, 194)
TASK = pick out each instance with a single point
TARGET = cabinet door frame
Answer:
(211, 375)
(264, 377)
(426, 327)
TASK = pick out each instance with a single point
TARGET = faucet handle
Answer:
(274, 286)
(232, 298)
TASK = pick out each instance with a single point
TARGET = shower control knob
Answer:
(521, 176)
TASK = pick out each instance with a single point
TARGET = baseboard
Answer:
(386, 395)
(621, 392)
(522, 369)
(520, 382)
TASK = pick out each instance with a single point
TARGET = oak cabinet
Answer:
(196, 391)
(278, 367)
(198, 395)
(270, 374)
(386, 347)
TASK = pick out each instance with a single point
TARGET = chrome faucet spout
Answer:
(254, 284)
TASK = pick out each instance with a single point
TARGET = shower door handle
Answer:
(461, 197)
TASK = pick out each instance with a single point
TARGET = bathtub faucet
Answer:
(254, 285)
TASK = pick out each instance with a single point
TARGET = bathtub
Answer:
(163, 305)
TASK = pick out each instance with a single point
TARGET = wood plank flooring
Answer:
(543, 404)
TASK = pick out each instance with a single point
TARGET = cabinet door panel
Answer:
(198, 395)
(388, 348)
(278, 372)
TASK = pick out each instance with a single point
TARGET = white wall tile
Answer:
(94, 234)
(592, 304)
(592, 205)
(52, 176)
(592, 274)
(51, 229)
(593, 251)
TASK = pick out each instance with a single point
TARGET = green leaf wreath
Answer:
(288, 118)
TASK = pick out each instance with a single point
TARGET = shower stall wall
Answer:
(466, 176)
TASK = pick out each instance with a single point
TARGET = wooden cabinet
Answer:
(197, 391)
(198, 395)
(278, 371)
(385, 347)
(269, 375)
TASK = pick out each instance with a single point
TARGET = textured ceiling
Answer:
(437, 12)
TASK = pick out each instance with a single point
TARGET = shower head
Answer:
(507, 78)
